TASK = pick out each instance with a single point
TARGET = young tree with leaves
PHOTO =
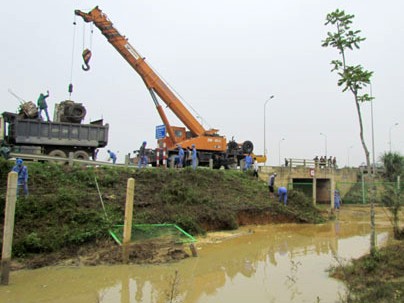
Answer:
(353, 78)
(393, 166)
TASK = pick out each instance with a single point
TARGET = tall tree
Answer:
(352, 78)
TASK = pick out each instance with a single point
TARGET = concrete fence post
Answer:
(127, 231)
(127, 160)
(71, 159)
(9, 214)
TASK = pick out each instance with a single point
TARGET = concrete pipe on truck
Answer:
(248, 147)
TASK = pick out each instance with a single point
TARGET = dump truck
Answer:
(26, 133)
(211, 146)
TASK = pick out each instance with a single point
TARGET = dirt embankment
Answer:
(70, 210)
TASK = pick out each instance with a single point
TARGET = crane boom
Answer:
(211, 146)
(153, 82)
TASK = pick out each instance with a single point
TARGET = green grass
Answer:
(375, 279)
(64, 207)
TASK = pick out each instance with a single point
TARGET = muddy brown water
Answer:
(266, 263)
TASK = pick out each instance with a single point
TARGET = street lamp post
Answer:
(395, 124)
(373, 130)
(325, 137)
(265, 145)
(279, 150)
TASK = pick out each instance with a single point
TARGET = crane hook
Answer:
(86, 57)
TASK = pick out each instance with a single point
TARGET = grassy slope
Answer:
(375, 279)
(64, 207)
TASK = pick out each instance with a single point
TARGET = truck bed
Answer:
(37, 132)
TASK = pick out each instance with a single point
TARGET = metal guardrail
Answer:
(70, 161)
(301, 162)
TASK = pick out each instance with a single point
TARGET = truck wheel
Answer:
(57, 153)
(81, 155)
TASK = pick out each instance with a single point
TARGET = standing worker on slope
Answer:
(337, 200)
(22, 172)
(43, 106)
(180, 156)
(271, 184)
(248, 162)
(142, 155)
(256, 168)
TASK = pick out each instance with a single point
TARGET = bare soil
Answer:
(107, 253)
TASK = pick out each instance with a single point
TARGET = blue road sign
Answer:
(160, 131)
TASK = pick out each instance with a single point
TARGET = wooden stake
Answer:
(193, 250)
(9, 215)
(127, 231)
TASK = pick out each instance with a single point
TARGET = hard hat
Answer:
(18, 161)
(193, 145)
(144, 142)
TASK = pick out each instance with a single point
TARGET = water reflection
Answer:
(274, 263)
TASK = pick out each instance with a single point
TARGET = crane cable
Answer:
(203, 121)
(70, 89)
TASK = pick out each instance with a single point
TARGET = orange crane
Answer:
(209, 143)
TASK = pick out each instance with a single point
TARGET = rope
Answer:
(102, 201)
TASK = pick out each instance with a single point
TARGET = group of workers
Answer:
(182, 159)
(322, 162)
(22, 171)
(282, 191)
(188, 158)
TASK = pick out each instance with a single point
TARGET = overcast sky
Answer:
(225, 59)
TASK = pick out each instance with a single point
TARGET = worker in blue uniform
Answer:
(180, 156)
(247, 162)
(283, 195)
(337, 199)
(22, 172)
(142, 155)
(112, 156)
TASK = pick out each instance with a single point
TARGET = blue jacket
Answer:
(22, 172)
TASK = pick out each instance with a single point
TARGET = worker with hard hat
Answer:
(112, 156)
(22, 172)
(271, 184)
(143, 161)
